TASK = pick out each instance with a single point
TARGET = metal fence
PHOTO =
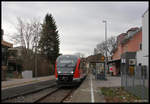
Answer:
(136, 83)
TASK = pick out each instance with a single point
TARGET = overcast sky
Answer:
(79, 23)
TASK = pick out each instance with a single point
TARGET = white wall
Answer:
(27, 74)
(145, 37)
(145, 41)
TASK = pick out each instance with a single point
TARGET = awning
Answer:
(112, 61)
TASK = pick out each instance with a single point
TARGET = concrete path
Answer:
(112, 81)
(90, 92)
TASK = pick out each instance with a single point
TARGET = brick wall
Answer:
(133, 44)
(118, 53)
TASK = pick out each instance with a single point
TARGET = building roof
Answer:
(145, 12)
(95, 58)
(4, 43)
(133, 29)
(126, 38)
(16, 48)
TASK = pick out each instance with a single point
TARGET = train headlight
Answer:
(71, 72)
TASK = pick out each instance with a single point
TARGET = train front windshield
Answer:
(66, 63)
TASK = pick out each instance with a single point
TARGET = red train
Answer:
(69, 70)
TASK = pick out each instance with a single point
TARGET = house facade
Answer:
(15, 61)
(126, 42)
(5, 45)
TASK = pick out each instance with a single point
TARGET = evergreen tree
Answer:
(49, 40)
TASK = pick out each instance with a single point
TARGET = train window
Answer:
(66, 61)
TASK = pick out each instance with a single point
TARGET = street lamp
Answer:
(104, 21)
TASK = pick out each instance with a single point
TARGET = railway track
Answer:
(58, 96)
(20, 91)
(46, 93)
(53, 94)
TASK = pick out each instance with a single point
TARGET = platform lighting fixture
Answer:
(104, 21)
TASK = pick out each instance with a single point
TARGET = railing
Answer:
(138, 83)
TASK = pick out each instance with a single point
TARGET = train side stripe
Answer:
(56, 70)
(76, 74)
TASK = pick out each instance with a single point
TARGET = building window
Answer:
(140, 46)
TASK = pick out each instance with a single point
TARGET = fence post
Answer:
(126, 77)
(134, 76)
(122, 75)
(141, 81)
(143, 78)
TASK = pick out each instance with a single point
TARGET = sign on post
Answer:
(123, 60)
(102, 58)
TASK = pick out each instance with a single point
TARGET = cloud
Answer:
(79, 23)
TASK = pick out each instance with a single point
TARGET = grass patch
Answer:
(118, 94)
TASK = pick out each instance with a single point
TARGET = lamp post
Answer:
(104, 21)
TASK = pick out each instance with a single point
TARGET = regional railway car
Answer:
(69, 70)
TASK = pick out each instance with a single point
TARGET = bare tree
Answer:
(36, 38)
(101, 48)
(27, 36)
(111, 44)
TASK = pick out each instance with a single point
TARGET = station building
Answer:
(126, 42)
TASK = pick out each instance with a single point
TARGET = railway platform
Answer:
(20, 82)
(89, 90)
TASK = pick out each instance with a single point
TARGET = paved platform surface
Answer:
(89, 91)
(19, 82)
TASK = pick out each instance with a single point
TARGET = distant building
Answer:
(5, 45)
(95, 58)
(126, 42)
(15, 53)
